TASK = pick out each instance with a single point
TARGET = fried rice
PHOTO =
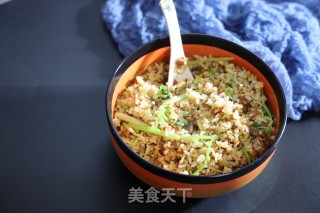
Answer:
(218, 123)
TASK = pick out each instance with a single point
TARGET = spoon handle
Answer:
(176, 51)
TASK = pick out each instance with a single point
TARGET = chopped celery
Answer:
(154, 130)
(162, 117)
(229, 93)
(232, 82)
(129, 119)
(266, 129)
(205, 160)
(246, 154)
(185, 114)
(260, 127)
(172, 100)
(214, 70)
(125, 125)
(267, 118)
(173, 115)
(123, 105)
(266, 111)
(196, 80)
(225, 63)
(200, 137)
(135, 141)
(140, 125)
(182, 123)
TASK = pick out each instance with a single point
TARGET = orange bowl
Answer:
(196, 186)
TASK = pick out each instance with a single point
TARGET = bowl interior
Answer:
(190, 49)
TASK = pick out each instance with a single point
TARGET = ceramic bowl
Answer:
(197, 186)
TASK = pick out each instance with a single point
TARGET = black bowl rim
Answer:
(207, 40)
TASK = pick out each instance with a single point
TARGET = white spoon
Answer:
(178, 69)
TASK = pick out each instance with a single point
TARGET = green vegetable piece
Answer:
(266, 111)
(246, 154)
(155, 131)
(196, 80)
(205, 160)
(225, 63)
(233, 83)
(162, 117)
(129, 119)
(173, 115)
(123, 105)
(214, 70)
(266, 129)
(256, 125)
(229, 93)
(182, 123)
(185, 114)
(125, 125)
(135, 141)
(140, 125)
(199, 137)
(171, 101)
(259, 126)
(164, 92)
(267, 118)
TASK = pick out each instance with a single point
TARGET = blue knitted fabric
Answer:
(286, 35)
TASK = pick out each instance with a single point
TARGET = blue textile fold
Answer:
(286, 35)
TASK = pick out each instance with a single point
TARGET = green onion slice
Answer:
(246, 154)
(205, 160)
